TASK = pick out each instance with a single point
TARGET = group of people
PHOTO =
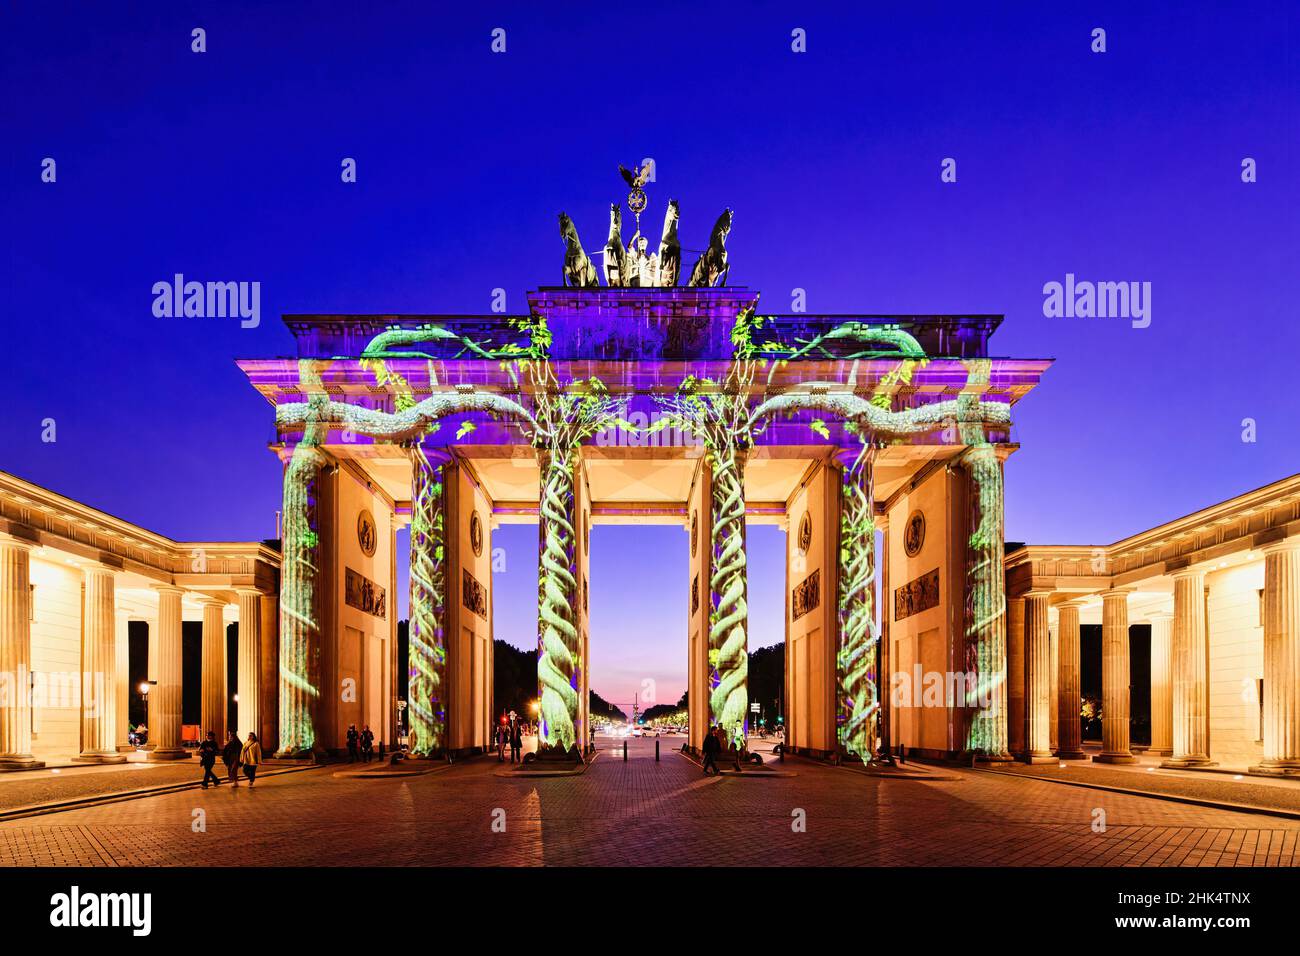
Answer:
(235, 754)
(360, 745)
(715, 741)
(510, 733)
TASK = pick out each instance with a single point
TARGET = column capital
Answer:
(13, 541)
(210, 600)
(1078, 602)
(248, 592)
(168, 589)
(1291, 543)
(1038, 593)
(1190, 571)
(1116, 594)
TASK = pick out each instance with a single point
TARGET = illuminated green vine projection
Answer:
(858, 696)
(563, 419)
(985, 611)
(299, 600)
(427, 630)
(718, 415)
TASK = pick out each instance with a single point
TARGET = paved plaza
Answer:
(642, 812)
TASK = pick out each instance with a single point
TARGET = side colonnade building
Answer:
(1219, 590)
(75, 583)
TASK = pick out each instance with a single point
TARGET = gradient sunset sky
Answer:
(1118, 166)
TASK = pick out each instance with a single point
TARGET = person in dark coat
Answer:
(207, 758)
(230, 757)
(516, 737)
(367, 744)
(354, 744)
(710, 749)
(503, 737)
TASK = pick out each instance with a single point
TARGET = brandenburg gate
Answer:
(659, 396)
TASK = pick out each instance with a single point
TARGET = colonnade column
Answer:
(1191, 737)
(1162, 700)
(858, 698)
(16, 655)
(1115, 678)
(1068, 729)
(984, 619)
(1281, 658)
(1038, 686)
(248, 681)
(165, 695)
(558, 642)
(301, 593)
(99, 668)
(122, 688)
(427, 638)
(213, 693)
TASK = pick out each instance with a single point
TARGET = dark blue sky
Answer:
(225, 165)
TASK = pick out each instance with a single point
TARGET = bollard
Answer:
(782, 746)
(656, 750)
(625, 751)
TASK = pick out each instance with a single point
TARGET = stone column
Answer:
(99, 668)
(985, 605)
(559, 656)
(858, 695)
(213, 693)
(301, 596)
(1053, 675)
(427, 639)
(269, 732)
(248, 711)
(1281, 658)
(1162, 699)
(1191, 739)
(1069, 730)
(1016, 675)
(1114, 678)
(122, 689)
(165, 695)
(15, 655)
(1038, 681)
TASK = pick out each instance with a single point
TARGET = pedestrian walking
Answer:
(250, 756)
(230, 757)
(367, 744)
(502, 737)
(516, 737)
(354, 743)
(207, 758)
(710, 749)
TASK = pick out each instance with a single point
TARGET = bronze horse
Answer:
(711, 268)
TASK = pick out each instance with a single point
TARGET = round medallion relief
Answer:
(476, 534)
(914, 534)
(805, 533)
(367, 537)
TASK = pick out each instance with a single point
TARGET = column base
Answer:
(1036, 757)
(20, 762)
(1071, 755)
(125, 749)
(1115, 758)
(1276, 768)
(995, 758)
(1160, 751)
(1188, 763)
(170, 753)
(103, 757)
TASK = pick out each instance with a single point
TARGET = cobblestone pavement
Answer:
(647, 813)
(1252, 791)
(29, 787)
